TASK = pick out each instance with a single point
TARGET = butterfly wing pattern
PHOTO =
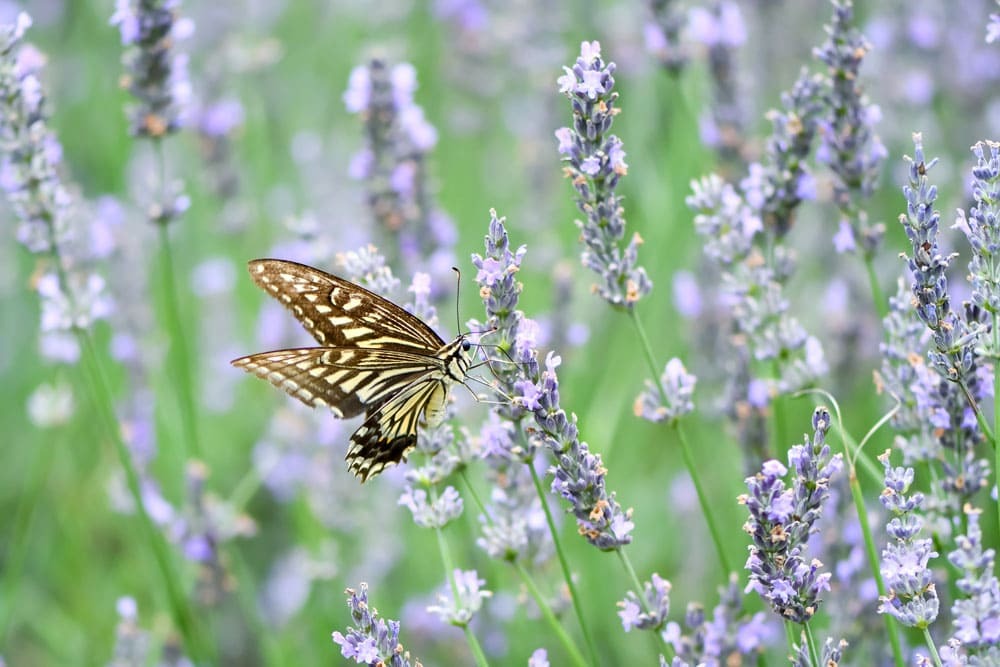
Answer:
(374, 358)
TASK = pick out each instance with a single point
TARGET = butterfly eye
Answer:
(466, 345)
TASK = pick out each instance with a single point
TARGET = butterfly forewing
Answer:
(376, 359)
(338, 313)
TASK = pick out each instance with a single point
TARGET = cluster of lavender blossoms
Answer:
(723, 637)
(156, 75)
(579, 473)
(73, 294)
(981, 226)
(595, 161)
(849, 146)
(393, 166)
(976, 615)
(679, 387)
(954, 356)
(655, 598)
(781, 521)
(912, 598)
(372, 640)
(662, 34)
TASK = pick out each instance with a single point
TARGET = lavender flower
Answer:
(725, 638)
(372, 639)
(850, 146)
(539, 658)
(912, 598)
(73, 296)
(679, 387)
(662, 34)
(720, 28)
(393, 165)
(982, 229)
(579, 473)
(434, 512)
(463, 599)
(595, 161)
(954, 356)
(155, 74)
(977, 614)
(656, 598)
(781, 520)
(775, 187)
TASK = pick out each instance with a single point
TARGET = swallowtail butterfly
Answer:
(373, 358)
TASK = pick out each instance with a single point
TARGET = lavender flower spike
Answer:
(156, 75)
(781, 520)
(977, 614)
(912, 599)
(373, 639)
(679, 385)
(595, 161)
(981, 226)
(954, 339)
(656, 592)
(459, 608)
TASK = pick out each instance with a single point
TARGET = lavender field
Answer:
(721, 352)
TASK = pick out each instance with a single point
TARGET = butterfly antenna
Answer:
(458, 293)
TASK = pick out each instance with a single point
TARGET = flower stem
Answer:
(567, 574)
(574, 653)
(932, 648)
(181, 365)
(183, 616)
(529, 583)
(689, 461)
(811, 641)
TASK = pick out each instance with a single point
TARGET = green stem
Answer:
(811, 641)
(790, 637)
(778, 410)
(873, 563)
(184, 385)
(449, 573)
(881, 305)
(190, 629)
(543, 606)
(689, 461)
(980, 417)
(564, 564)
(703, 499)
(529, 583)
(931, 647)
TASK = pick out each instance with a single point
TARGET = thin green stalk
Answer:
(200, 650)
(689, 461)
(873, 563)
(245, 489)
(529, 583)
(932, 648)
(878, 298)
(184, 385)
(811, 642)
(978, 411)
(470, 636)
(790, 637)
(574, 653)
(703, 499)
(567, 574)
(778, 410)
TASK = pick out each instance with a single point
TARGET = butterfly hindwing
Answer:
(390, 432)
(338, 313)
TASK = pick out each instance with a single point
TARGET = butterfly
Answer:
(373, 358)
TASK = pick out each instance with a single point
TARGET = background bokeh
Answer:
(277, 183)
